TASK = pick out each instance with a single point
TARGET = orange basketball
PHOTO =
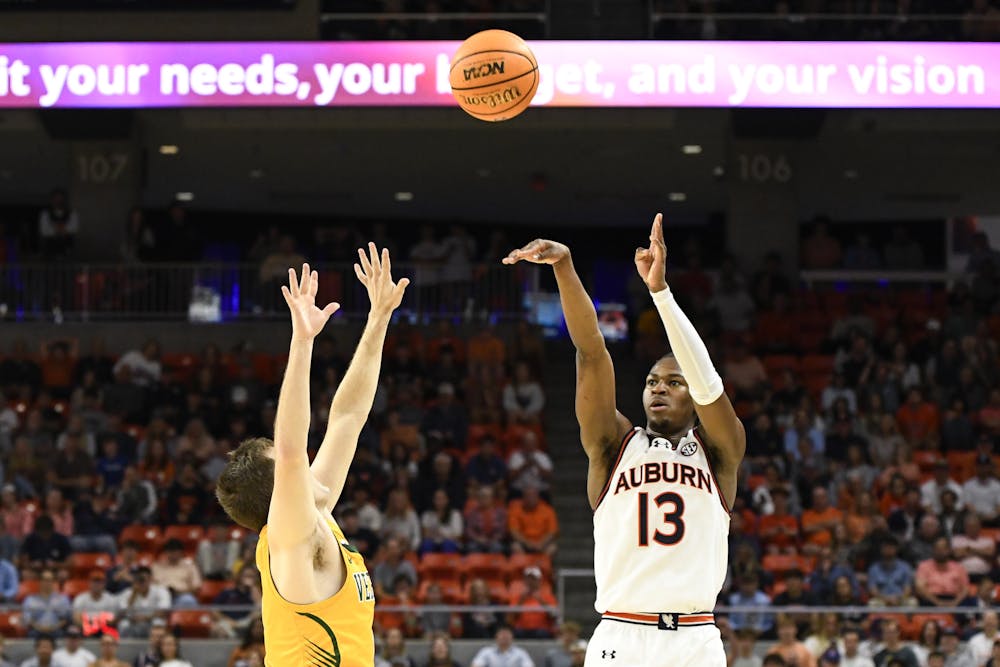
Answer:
(494, 75)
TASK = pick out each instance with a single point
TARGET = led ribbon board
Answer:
(573, 74)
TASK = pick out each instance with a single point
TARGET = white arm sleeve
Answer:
(703, 380)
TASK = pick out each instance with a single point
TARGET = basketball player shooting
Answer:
(318, 601)
(661, 493)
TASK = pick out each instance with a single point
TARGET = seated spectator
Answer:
(779, 530)
(951, 518)
(820, 250)
(534, 624)
(400, 521)
(19, 373)
(440, 652)
(745, 371)
(982, 492)
(741, 652)
(136, 498)
(818, 522)
(529, 465)
(178, 573)
(108, 653)
(171, 651)
(394, 650)
(930, 491)
(72, 470)
(955, 655)
(974, 550)
(121, 575)
(981, 643)
(433, 622)
(45, 548)
(217, 551)
(245, 592)
(828, 569)
(917, 418)
(788, 646)
(903, 521)
(860, 518)
(893, 649)
(803, 428)
(369, 515)
(852, 656)
(94, 607)
(890, 579)
(95, 523)
(532, 524)
(941, 581)
(523, 398)
(9, 581)
(363, 539)
(45, 646)
(111, 464)
(447, 418)
(151, 656)
(479, 624)
(921, 546)
(48, 611)
(251, 646)
(486, 467)
(73, 654)
(187, 500)
(485, 523)
(503, 654)
(140, 368)
(985, 597)
(442, 526)
(140, 604)
(486, 349)
(749, 594)
(17, 521)
(392, 566)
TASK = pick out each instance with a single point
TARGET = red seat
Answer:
(189, 535)
(815, 364)
(518, 562)
(191, 623)
(74, 587)
(148, 537)
(27, 587)
(11, 625)
(451, 590)
(485, 566)
(210, 588)
(439, 566)
(779, 564)
(84, 563)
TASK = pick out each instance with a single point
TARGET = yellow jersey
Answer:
(336, 632)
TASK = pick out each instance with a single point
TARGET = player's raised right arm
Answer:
(601, 425)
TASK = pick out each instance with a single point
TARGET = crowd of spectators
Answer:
(426, 20)
(909, 20)
(107, 517)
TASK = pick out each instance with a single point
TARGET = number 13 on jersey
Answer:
(672, 505)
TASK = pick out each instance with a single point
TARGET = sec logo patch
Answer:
(688, 449)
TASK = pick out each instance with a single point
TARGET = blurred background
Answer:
(842, 266)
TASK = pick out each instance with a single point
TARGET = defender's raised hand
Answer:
(539, 251)
(376, 275)
(651, 262)
(300, 295)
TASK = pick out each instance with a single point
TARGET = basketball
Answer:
(494, 75)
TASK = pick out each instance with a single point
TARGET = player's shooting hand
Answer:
(651, 262)
(300, 295)
(375, 273)
(539, 251)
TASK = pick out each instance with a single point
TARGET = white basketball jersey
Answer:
(661, 529)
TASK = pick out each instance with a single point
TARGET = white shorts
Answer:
(649, 640)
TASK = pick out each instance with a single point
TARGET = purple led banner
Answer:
(573, 74)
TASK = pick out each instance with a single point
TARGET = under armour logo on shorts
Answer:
(607, 655)
(667, 622)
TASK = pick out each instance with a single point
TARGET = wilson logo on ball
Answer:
(486, 69)
(494, 99)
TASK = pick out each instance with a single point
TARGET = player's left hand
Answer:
(375, 274)
(300, 295)
(651, 262)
